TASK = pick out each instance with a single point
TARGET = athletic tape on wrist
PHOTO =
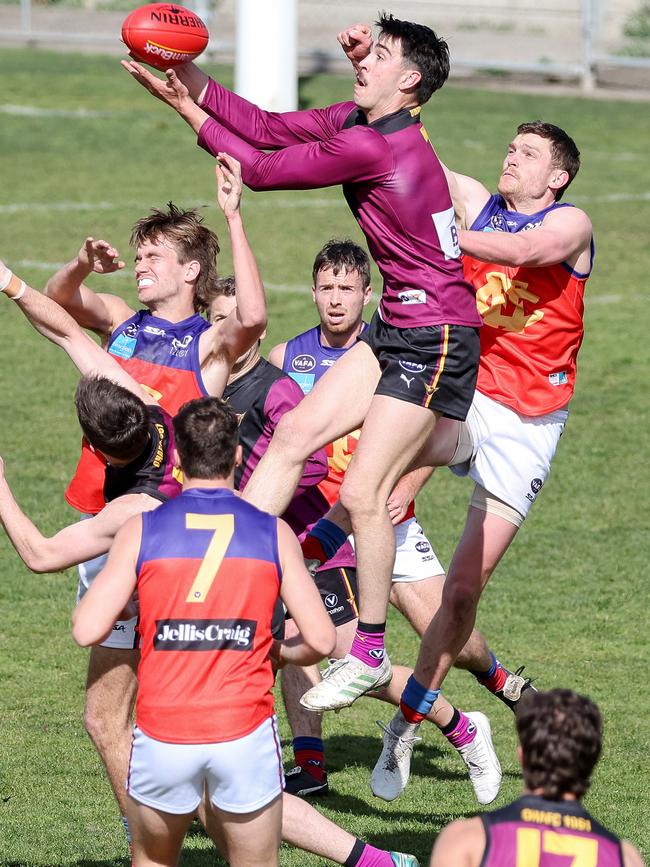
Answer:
(14, 287)
(6, 281)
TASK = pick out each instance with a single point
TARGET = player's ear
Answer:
(367, 294)
(559, 179)
(410, 80)
(239, 456)
(176, 458)
(192, 270)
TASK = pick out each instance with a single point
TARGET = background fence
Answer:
(596, 42)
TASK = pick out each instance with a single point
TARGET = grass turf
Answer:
(93, 153)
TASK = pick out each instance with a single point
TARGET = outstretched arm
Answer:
(100, 312)
(564, 236)
(53, 322)
(235, 334)
(106, 598)
(75, 544)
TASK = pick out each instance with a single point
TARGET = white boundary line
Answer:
(283, 288)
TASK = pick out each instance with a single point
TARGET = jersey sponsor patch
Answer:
(204, 634)
(123, 346)
(413, 296)
(304, 380)
(445, 223)
(559, 378)
(303, 363)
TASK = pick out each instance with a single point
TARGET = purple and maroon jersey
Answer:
(260, 398)
(153, 472)
(392, 181)
(208, 580)
(163, 357)
(534, 832)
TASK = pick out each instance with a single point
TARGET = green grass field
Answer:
(84, 151)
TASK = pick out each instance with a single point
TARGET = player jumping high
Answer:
(418, 360)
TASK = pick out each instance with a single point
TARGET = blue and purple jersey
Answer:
(545, 833)
(392, 180)
(163, 357)
(306, 359)
(208, 580)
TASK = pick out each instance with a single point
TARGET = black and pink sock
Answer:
(368, 644)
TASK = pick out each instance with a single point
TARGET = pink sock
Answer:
(371, 857)
(463, 733)
(368, 647)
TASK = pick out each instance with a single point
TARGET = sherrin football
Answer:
(164, 35)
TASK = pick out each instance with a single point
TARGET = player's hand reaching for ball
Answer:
(229, 184)
(356, 41)
(170, 89)
(99, 257)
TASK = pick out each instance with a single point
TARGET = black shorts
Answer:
(434, 366)
(338, 590)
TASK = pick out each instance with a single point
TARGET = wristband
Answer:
(14, 287)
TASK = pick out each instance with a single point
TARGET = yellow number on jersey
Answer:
(224, 528)
(531, 843)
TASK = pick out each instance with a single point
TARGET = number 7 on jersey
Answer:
(224, 529)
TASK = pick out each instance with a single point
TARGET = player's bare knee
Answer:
(359, 499)
(460, 601)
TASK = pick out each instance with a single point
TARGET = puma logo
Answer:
(407, 379)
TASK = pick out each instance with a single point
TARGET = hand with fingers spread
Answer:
(356, 41)
(169, 90)
(100, 257)
(229, 184)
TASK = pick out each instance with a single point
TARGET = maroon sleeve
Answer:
(284, 395)
(271, 129)
(351, 155)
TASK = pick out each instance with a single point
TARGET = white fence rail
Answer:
(563, 39)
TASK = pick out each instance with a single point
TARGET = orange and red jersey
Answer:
(164, 358)
(208, 579)
(532, 321)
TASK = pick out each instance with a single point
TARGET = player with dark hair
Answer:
(560, 739)
(123, 423)
(208, 571)
(418, 359)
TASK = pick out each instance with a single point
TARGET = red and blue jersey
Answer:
(163, 357)
(534, 832)
(532, 321)
(392, 180)
(208, 579)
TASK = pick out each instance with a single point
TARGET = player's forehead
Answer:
(221, 306)
(388, 45)
(157, 245)
(531, 141)
(343, 277)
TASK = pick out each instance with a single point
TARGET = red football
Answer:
(164, 35)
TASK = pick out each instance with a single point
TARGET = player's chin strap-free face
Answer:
(12, 286)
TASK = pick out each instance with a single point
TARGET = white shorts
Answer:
(241, 775)
(512, 452)
(415, 559)
(124, 635)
